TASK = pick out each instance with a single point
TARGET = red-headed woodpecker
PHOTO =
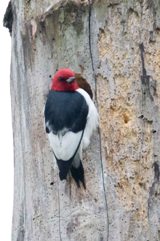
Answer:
(70, 119)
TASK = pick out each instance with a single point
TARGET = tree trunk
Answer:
(115, 44)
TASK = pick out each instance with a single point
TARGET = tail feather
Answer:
(64, 167)
(78, 175)
(75, 167)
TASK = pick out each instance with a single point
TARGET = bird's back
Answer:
(66, 110)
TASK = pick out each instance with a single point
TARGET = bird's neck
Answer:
(62, 86)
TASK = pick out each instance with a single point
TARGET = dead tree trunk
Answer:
(115, 44)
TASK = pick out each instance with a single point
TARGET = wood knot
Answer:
(125, 118)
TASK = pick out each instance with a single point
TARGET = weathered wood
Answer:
(115, 45)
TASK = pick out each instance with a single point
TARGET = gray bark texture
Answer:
(115, 44)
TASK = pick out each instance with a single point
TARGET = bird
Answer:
(70, 119)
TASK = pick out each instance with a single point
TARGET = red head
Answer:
(64, 80)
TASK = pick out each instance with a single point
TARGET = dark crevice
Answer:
(89, 26)
(112, 5)
(150, 114)
(153, 191)
(144, 75)
(103, 182)
(8, 17)
(145, 79)
(90, 46)
(156, 171)
(96, 99)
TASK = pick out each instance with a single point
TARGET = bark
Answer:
(115, 45)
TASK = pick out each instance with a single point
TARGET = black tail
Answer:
(64, 167)
(78, 175)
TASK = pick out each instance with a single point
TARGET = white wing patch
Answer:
(92, 118)
(64, 146)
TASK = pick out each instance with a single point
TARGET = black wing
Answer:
(65, 110)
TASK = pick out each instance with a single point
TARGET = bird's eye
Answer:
(62, 78)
